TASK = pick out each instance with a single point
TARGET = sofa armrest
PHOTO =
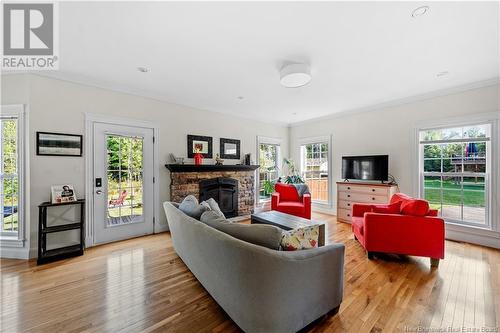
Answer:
(414, 235)
(275, 199)
(359, 209)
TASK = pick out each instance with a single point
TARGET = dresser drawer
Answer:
(375, 190)
(363, 198)
(344, 204)
(344, 214)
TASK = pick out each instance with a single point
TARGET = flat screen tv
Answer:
(375, 167)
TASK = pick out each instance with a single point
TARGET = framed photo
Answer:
(230, 149)
(201, 144)
(62, 193)
(58, 144)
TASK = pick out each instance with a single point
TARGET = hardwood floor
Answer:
(141, 285)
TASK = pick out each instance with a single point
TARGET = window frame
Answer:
(319, 140)
(487, 174)
(263, 140)
(18, 112)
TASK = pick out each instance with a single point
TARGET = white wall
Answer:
(390, 130)
(59, 106)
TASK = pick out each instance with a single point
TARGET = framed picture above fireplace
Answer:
(230, 149)
(201, 144)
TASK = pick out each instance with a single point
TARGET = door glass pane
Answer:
(124, 177)
(268, 171)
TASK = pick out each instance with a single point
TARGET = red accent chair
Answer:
(287, 200)
(405, 226)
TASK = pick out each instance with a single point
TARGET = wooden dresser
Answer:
(350, 193)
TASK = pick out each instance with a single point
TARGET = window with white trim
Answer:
(269, 158)
(10, 201)
(454, 172)
(315, 170)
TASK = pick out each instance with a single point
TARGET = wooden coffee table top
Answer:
(283, 221)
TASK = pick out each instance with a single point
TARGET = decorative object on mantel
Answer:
(177, 160)
(198, 158)
(218, 160)
(201, 143)
(230, 148)
(248, 159)
(58, 144)
(62, 193)
(47, 255)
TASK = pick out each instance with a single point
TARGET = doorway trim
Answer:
(90, 120)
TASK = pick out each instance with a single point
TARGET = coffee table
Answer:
(288, 222)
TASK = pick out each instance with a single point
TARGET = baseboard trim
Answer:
(14, 253)
(161, 228)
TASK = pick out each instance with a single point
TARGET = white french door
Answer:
(123, 182)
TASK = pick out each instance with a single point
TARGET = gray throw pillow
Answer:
(213, 206)
(259, 234)
(191, 207)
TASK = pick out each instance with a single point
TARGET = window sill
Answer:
(473, 229)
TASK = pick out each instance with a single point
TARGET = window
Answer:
(269, 157)
(315, 169)
(9, 177)
(454, 168)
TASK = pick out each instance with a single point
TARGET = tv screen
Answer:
(374, 167)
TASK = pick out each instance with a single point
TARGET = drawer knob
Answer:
(373, 198)
(348, 214)
(373, 190)
(348, 204)
(348, 195)
(348, 188)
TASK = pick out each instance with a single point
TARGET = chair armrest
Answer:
(306, 199)
(422, 235)
(275, 199)
(359, 209)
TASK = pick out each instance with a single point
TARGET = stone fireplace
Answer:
(232, 186)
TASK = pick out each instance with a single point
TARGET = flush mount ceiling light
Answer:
(443, 73)
(143, 69)
(419, 11)
(295, 75)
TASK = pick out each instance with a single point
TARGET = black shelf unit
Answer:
(44, 255)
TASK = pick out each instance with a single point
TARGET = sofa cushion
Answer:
(191, 207)
(415, 207)
(300, 239)
(394, 208)
(358, 224)
(259, 234)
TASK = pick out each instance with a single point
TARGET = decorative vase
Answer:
(198, 159)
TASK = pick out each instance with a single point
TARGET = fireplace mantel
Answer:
(209, 167)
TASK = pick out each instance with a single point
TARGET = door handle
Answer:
(98, 192)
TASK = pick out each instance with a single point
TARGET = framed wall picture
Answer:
(58, 144)
(201, 144)
(230, 149)
(62, 193)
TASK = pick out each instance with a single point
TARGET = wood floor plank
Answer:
(141, 285)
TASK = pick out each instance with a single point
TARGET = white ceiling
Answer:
(206, 54)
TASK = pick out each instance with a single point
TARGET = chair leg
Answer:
(334, 311)
(369, 255)
(434, 262)
(355, 238)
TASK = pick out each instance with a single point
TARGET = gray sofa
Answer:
(262, 290)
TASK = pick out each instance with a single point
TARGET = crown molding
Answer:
(402, 101)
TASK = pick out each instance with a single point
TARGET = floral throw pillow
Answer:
(300, 239)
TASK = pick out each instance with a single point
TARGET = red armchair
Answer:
(405, 226)
(287, 200)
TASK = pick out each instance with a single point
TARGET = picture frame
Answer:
(230, 148)
(59, 144)
(62, 193)
(202, 143)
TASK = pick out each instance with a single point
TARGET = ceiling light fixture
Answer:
(295, 75)
(143, 69)
(419, 11)
(443, 73)
(240, 97)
